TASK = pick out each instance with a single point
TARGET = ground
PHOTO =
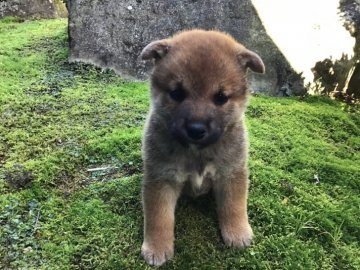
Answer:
(70, 171)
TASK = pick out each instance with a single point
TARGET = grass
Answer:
(58, 120)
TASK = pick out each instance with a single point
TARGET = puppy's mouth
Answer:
(196, 133)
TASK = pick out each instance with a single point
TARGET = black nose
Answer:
(196, 130)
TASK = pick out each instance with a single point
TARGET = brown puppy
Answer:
(195, 138)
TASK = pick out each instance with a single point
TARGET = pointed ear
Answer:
(155, 50)
(249, 59)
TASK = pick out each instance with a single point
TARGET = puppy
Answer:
(195, 139)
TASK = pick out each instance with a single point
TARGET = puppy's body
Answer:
(195, 138)
(168, 160)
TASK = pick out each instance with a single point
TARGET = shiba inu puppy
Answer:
(195, 139)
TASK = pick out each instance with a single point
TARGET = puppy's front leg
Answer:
(159, 201)
(231, 197)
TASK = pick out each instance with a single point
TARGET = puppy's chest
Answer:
(195, 182)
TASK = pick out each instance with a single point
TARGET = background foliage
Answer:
(341, 77)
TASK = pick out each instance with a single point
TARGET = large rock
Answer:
(111, 34)
(33, 8)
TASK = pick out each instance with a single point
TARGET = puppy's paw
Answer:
(156, 253)
(237, 236)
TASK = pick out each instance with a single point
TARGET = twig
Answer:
(37, 220)
(99, 169)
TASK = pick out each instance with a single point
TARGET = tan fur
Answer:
(195, 138)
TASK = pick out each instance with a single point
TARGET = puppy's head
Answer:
(199, 83)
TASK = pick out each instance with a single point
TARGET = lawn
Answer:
(70, 171)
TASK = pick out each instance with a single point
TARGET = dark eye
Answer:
(220, 98)
(178, 94)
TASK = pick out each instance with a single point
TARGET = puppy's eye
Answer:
(178, 94)
(220, 98)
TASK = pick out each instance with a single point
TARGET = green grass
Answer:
(58, 120)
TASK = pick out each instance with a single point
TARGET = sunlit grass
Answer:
(70, 171)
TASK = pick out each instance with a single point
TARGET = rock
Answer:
(111, 34)
(33, 9)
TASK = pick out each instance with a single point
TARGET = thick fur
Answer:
(201, 64)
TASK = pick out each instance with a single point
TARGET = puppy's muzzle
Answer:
(200, 133)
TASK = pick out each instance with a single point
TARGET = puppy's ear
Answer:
(249, 59)
(155, 50)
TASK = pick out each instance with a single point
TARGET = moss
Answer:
(58, 121)
(60, 7)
